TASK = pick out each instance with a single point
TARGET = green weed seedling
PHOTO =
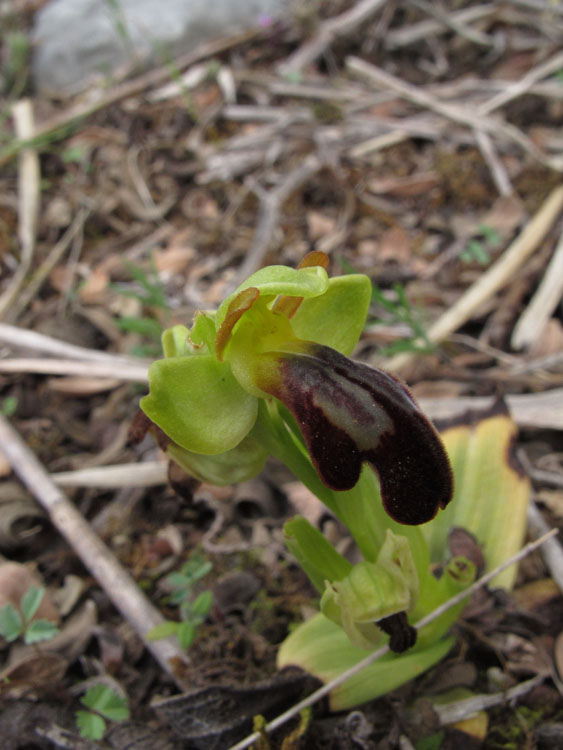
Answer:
(14, 624)
(102, 703)
(193, 609)
(479, 247)
(150, 292)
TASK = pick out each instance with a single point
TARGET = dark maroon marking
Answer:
(402, 636)
(410, 460)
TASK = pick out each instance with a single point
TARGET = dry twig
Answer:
(496, 276)
(328, 32)
(540, 308)
(114, 579)
(28, 202)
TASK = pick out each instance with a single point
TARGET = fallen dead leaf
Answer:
(319, 225)
(505, 216)
(93, 289)
(395, 245)
(550, 340)
(15, 580)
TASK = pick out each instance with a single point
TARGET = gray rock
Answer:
(76, 39)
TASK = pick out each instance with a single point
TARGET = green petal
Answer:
(274, 280)
(337, 317)
(198, 403)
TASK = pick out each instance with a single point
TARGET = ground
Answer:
(414, 143)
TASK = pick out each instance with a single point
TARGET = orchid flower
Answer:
(277, 350)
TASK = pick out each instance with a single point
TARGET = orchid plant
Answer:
(269, 373)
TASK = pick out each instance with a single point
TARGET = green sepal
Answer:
(314, 553)
(337, 317)
(273, 280)
(322, 648)
(203, 330)
(243, 462)
(199, 404)
(175, 341)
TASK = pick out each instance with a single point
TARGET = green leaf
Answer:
(40, 630)
(163, 630)
(491, 490)
(335, 318)
(274, 280)
(107, 702)
(91, 726)
(322, 648)
(149, 327)
(314, 553)
(31, 600)
(186, 634)
(202, 603)
(199, 404)
(11, 623)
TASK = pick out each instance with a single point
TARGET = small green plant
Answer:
(391, 308)
(479, 247)
(193, 609)
(150, 292)
(269, 373)
(102, 703)
(400, 310)
(9, 406)
(14, 624)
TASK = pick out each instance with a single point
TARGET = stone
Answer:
(75, 40)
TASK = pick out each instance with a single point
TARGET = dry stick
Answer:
(451, 712)
(39, 276)
(112, 577)
(328, 32)
(454, 112)
(529, 410)
(271, 203)
(136, 373)
(495, 165)
(28, 202)
(405, 35)
(451, 22)
(552, 553)
(375, 655)
(39, 342)
(146, 474)
(523, 85)
(543, 303)
(497, 276)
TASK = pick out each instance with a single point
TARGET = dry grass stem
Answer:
(120, 587)
(328, 32)
(29, 179)
(543, 303)
(499, 274)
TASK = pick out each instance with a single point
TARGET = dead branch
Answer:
(327, 33)
(112, 577)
